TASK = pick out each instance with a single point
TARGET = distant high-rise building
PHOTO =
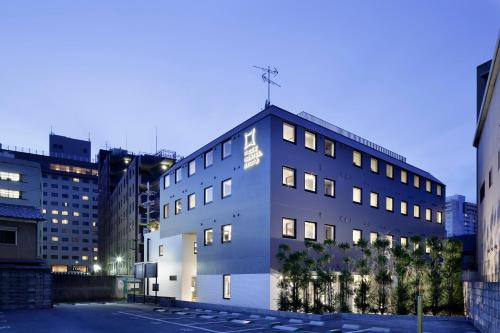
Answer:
(123, 176)
(461, 216)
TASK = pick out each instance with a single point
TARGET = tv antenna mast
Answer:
(266, 77)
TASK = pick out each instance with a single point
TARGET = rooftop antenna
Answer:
(266, 77)
(51, 131)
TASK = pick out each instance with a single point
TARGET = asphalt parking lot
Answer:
(122, 317)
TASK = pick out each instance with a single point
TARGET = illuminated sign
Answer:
(251, 151)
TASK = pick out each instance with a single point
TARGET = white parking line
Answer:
(169, 322)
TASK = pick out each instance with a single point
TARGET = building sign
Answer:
(251, 151)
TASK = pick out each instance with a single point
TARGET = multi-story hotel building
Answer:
(280, 178)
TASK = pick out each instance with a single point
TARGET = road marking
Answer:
(171, 322)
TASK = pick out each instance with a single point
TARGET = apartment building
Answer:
(280, 178)
(460, 216)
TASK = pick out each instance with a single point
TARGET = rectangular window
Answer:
(404, 241)
(226, 188)
(356, 158)
(288, 176)
(208, 237)
(389, 204)
(439, 217)
(374, 164)
(208, 195)
(309, 182)
(310, 140)
(490, 179)
(356, 195)
(166, 181)
(178, 206)
(481, 193)
(191, 201)
(416, 181)
(330, 232)
(373, 237)
(12, 176)
(288, 227)
(55, 239)
(226, 290)
(404, 208)
(160, 250)
(195, 247)
(329, 148)
(329, 188)
(10, 194)
(416, 211)
(439, 190)
(389, 171)
(178, 175)
(192, 168)
(357, 235)
(288, 132)
(310, 230)
(374, 199)
(209, 158)
(226, 148)
(428, 186)
(404, 176)
(428, 214)
(8, 236)
(389, 238)
(226, 233)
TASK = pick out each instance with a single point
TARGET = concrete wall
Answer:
(482, 305)
(25, 287)
(86, 288)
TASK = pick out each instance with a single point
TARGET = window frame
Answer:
(225, 196)
(211, 152)
(428, 188)
(178, 172)
(374, 159)
(180, 205)
(400, 207)
(334, 231)
(389, 166)
(333, 150)
(226, 293)
(294, 132)
(166, 211)
(10, 229)
(315, 182)
(315, 136)
(205, 243)
(360, 195)
(376, 195)
(161, 250)
(189, 201)
(376, 238)
(333, 186)
(205, 202)
(354, 151)
(283, 235)
(428, 210)
(315, 230)
(283, 167)
(415, 183)
(192, 163)
(403, 171)
(439, 216)
(222, 233)
(222, 154)
(360, 236)
(392, 204)
(415, 206)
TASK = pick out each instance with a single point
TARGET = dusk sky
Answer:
(399, 73)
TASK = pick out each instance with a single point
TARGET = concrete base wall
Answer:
(482, 305)
(85, 288)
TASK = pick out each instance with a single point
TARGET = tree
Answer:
(319, 263)
(345, 280)
(401, 264)
(382, 275)
(329, 278)
(292, 277)
(363, 288)
(416, 269)
(452, 287)
(434, 271)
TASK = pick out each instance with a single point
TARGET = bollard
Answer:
(419, 314)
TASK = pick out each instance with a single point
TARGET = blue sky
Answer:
(399, 73)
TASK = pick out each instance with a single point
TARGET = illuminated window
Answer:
(208, 237)
(64, 212)
(439, 190)
(76, 214)
(356, 195)
(310, 230)
(356, 236)
(160, 250)
(55, 239)
(178, 206)
(288, 228)
(95, 249)
(288, 176)
(191, 201)
(226, 292)
(416, 211)
(389, 238)
(85, 258)
(95, 258)
(374, 199)
(404, 208)
(55, 221)
(165, 211)
(209, 158)
(226, 188)
(309, 182)
(416, 181)
(76, 180)
(192, 168)
(288, 132)
(166, 181)
(209, 195)
(373, 237)
(55, 212)
(428, 214)
(404, 176)
(226, 233)
(85, 197)
(428, 185)
(310, 140)
(94, 224)
(44, 211)
(404, 241)
(356, 158)
(73, 169)
(59, 269)
(329, 148)
(374, 164)
(330, 232)
(439, 217)
(12, 176)
(10, 194)
(64, 221)
(195, 247)
(427, 249)
(389, 204)
(178, 175)
(226, 148)
(329, 188)
(389, 171)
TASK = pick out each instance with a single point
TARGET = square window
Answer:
(310, 230)
(389, 204)
(428, 214)
(209, 158)
(356, 195)
(208, 237)
(356, 236)
(329, 148)
(191, 201)
(165, 211)
(309, 182)
(416, 181)
(310, 140)
(208, 195)
(373, 237)
(226, 188)
(178, 206)
(226, 233)
(288, 132)
(226, 292)
(329, 188)
(374, 164)
(288, 227)
(178, 175)
(160, 250)
(404, 176)
(416, 211)
(226, 148)
(389, 171)
(330, 232)
(192, 168)
(374, 199)
(404, 208)
(288, 176)
(356, 158)
(439, 217)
